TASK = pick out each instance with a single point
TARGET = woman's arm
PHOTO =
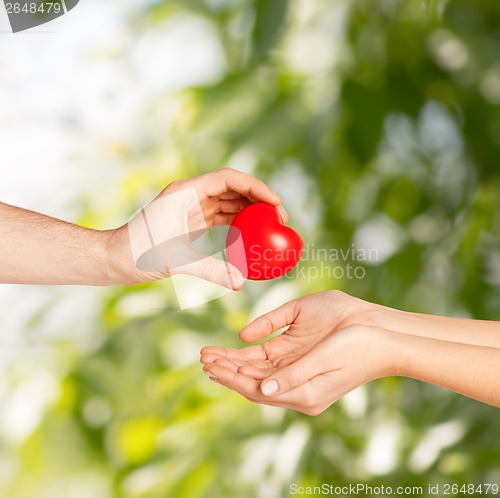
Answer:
(344, 310)
(312, 380)
(330, 348)
(463, 330)
(471, 370)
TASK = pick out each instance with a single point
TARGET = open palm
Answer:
(309, 319)
(316, 322)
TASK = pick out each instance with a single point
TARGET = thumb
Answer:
(213, 270)
(270, 322)
(294, 375)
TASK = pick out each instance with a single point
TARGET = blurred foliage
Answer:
(379, 124)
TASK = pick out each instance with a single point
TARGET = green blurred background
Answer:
(378, 122)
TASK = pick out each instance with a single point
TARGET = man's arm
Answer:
(38, 249)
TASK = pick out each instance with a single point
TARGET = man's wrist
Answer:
(117, 256)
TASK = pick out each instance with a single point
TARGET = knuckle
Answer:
(306, 411)
(294, 379)
(175, 185)
(268, 322)
(308, 401)
(252, 398)
(210, 271)
(311, 407)
(252, 395)
(315, 411)
(337, 295)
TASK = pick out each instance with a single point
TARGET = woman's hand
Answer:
(287, 372)
(341, 310)
(157, 242)
(331, 347)
(318, 359)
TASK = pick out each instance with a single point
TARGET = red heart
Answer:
(260, 246)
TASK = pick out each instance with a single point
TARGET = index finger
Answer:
(249, 353)
(246, 185)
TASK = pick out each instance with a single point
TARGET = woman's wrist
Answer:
(460, 330)
(384, 349)
(383, 317)
(376, 347)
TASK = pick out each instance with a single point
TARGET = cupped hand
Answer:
(319, 358)
(314, 381)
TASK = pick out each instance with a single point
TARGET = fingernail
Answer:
(210, 374)
(238, 280)
(269, 387)
(228, 281)
(233, 281)
(282, 213)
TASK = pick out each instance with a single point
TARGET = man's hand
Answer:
(37, 249)
(157, 242)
